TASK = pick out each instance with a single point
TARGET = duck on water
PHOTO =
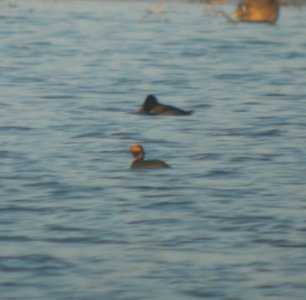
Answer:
(151, 106)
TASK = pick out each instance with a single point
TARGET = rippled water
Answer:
(227, 221)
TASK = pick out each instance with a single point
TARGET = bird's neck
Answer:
(139, 157)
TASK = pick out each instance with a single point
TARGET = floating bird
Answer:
(151, 106)
(140, 163)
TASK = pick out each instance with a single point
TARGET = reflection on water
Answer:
(227, 221)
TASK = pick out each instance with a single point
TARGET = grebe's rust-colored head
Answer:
(137, 151)
(257, 11)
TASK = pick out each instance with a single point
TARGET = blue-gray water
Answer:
(227, 221)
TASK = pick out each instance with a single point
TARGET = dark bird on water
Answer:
(140, 163)
(151, 106)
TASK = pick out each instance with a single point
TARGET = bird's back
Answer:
(149, 164)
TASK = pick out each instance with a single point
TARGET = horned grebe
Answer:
(140, 163)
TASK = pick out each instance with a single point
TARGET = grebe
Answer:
(140, 163)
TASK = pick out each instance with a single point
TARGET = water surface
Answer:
(227, 221)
